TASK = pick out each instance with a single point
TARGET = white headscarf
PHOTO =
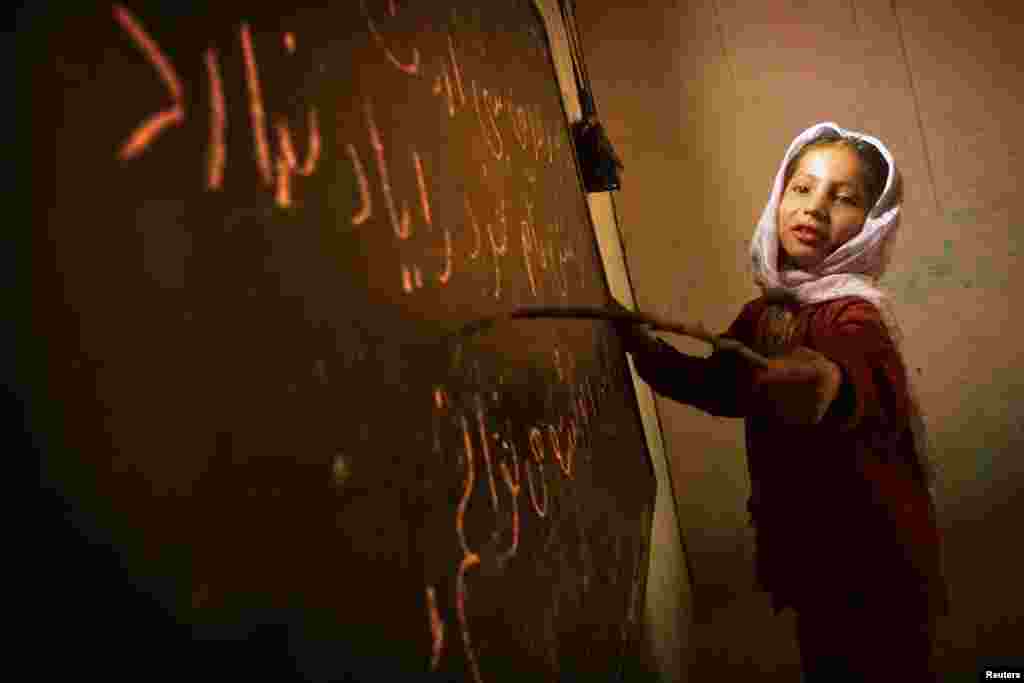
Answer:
(851, 270)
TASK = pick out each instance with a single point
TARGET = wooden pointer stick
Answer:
(697, 331)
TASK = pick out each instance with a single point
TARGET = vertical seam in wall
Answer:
(859, 46)
(719, 27)
(917, 107)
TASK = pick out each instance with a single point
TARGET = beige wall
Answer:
(701, 100)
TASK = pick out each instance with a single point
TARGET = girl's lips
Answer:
(806, 235)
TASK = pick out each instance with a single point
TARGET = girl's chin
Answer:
(803, 259)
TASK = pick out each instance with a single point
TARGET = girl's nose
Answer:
(818, 213)
(817, 206)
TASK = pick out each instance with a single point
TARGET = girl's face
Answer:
(822, 207)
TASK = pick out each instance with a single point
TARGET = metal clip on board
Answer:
(598, 162)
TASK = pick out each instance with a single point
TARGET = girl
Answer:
(836, 450)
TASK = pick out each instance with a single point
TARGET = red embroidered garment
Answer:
(841, 508)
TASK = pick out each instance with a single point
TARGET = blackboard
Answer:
(253, 227)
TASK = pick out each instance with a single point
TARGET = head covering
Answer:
(851, 270)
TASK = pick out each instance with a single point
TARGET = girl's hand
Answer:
(799, 387)
(635, 336)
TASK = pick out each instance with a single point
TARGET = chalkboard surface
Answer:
(253, 226)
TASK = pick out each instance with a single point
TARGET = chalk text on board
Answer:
(564, 438)
(278, 162)
(286, 163)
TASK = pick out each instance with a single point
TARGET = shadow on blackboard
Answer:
(95, 617)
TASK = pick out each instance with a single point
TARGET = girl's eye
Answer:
(849, 200)
(800, 188)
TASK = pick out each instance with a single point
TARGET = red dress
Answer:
(841, 509)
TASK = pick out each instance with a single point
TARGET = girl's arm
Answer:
(799, 388)
(852, 335)
(853, 374)
(718, 385)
